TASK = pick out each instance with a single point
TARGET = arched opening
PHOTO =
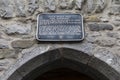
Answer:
(63, 74)
(35, 64)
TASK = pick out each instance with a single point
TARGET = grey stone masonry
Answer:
(100, 48)
(100, 27)
(6, 9)
(116, 1)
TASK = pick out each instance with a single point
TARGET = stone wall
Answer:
(18, 27)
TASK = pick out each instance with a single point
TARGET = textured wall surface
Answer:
(18, 21)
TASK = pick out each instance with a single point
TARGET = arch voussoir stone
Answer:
(104, 68)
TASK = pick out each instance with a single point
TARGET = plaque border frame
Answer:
(53, 40)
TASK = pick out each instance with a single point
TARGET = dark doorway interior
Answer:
(63, 74)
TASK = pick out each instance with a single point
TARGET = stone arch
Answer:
(38, 62)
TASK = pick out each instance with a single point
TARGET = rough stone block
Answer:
(96, 6)
(99, 27)
(118, 43)
(20, 8)
(7, 53)
(50, 5)
(4, 44)
(116, 1)
(79, 4)
(115, 10)
(104, 69)
(63, 4)
(18, 29)
(6, 9)
(73, 55)
(106, 41)
(22, 44)
(113, 35)
(92, 18)
(32, 6)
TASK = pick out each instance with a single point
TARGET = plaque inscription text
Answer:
(60, 27)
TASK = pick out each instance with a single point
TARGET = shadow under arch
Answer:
(30, 67)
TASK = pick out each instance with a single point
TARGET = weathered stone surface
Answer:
(92, 18)
(115, 10)
(7, 53)
(95, 5)
(50, 5)
(92, 37)
(4, 44)
(83, 47)
(90, 5)
(100, 5)
(116, 23)
(22, 44)
(17, 28)
(104, 19)
(113, 35)
(79, 4)
(4, 65)
(66, 4)
(71, 4)
(99, 27)
(1, 35)
(95, 34)
(104, 54)
(63, 4)
(109, 57)
(102, 41)
(32, 6)
(6, 10)
(118, 43)
(116, 1)
(35, 56)
(20, 8)
(106, 41)
(53, 55)
(117, 18)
